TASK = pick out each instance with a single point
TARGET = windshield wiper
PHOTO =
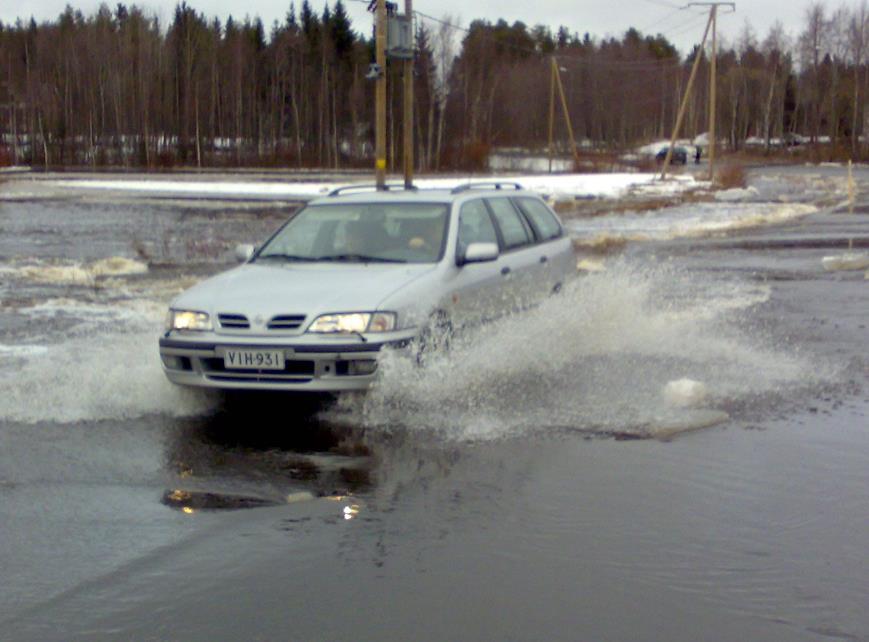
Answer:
(360, 258)
(286, 257)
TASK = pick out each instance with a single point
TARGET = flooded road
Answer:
(555, 476)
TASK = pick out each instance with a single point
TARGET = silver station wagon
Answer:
(359, 270)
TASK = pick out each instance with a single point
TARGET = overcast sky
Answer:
(598, 17)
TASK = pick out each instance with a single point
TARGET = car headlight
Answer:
(353, 322)
(188, 320)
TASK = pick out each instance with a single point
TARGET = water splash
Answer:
(108, 367)
(595, 358)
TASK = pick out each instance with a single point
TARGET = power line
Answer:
(692, 21)
(684, 28)
(625, 65)
(660, 20)
(664, 3)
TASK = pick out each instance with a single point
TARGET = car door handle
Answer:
(544, 259)
(505, 270)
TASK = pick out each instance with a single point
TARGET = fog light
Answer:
(171, 362)
(176, 363)
(361, 367)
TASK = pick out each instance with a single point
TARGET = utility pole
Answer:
(713, 77)
(380, 95)
(713, 84)
(555, 82)
(408, 104)
(713, 74)
(551, 112)
(684, 104)
(11, 106)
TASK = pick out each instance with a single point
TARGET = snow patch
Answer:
(684, 221)
(561, 186)
(22, 350)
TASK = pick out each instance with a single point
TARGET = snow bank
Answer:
(192, 188)
(558, 187)
(681, 221)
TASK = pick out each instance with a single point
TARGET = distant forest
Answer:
(118, 88)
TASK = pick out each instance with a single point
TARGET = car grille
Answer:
(233, 321)
(286, 322)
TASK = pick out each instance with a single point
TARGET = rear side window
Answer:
(545, 223)
(514, 230)
(475, 226)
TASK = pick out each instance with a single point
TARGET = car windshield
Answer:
(361, 233)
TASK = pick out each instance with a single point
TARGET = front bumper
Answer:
(324, 366)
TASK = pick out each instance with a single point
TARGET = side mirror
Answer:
(480, 253)
(244, 252)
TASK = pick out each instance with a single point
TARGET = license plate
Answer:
(253, 359)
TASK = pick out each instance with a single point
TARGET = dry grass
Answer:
(601, 207)
(730, 175)
(597, 163)
(603, 244)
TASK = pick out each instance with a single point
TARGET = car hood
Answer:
(304, 289)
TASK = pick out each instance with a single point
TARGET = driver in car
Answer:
(426, 236)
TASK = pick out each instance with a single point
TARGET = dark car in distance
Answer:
(680, 155)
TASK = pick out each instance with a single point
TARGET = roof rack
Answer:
(486, 185)
(388, 187)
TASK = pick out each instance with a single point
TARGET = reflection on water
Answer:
(264, 449)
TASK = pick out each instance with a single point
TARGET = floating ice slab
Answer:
(670, 427)
(846, 261)
(736, 194)
(82, 274)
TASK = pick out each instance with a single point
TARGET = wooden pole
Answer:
(551, 111)
(380, 96)
(712, 92)
(408, 105)
(685, 98)
(564, 109)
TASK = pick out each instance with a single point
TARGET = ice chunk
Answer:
(117, 266)
(736, 194)
(683, 393)
(668, 428)
(846, 261)
(79, 274)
